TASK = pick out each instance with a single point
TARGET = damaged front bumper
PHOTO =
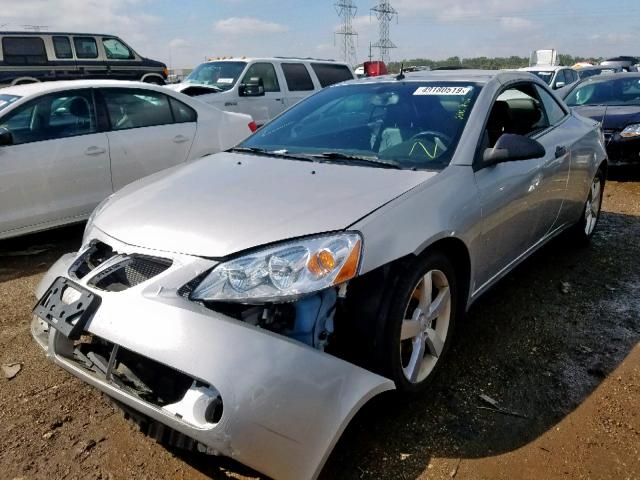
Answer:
(267, 401)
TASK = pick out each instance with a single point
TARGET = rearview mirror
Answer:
(6, 138)
(511, 147)
(253, 88)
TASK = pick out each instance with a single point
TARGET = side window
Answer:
(297, 76)
(560, 78)
(266, 72)
(131, 108)
(59, 115)
(182, 113)
(62, 47)
(24, 51)
(86, 47)
(329, 73)
(116, 50)
(552, 108)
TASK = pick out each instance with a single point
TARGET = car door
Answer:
(299, 82)
(56, 168)
(513, 194)
(265, 107)
(148, 132)
(121, 61)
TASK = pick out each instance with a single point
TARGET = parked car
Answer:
(27, 57)
(614, 101)
(585, 72)
(626, 63)
(229, 301)
(555, 77)
(66, 146)
(261, 87)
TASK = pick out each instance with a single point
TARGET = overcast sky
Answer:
(183, 33)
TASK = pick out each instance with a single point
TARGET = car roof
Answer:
(38, 88)
(38, 34)
(275, 59)
(543, 68)
(610, 77)
(458, 75)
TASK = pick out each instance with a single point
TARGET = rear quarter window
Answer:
(329, 74)
(24, 51)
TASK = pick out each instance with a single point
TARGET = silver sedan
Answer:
(249, 303)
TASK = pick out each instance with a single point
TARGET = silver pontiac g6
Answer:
(249, 303)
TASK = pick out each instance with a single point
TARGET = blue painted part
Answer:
(314, 317)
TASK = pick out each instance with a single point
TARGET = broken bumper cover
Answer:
(284, 404)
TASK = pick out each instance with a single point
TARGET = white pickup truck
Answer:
(261, 87)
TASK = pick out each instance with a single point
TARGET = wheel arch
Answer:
(24, 80)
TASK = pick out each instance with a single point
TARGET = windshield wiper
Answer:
(372, 161)
(267, 153)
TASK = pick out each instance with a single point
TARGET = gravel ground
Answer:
(555, 344)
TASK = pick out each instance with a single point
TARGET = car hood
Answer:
(615, 117)
(228, 202)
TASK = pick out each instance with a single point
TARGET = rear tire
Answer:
(419, 325)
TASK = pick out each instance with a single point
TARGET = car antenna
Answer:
(401, 74)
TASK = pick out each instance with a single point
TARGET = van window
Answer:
(297, 76)
(116, 50)
(24, 51)
(328, 73)
(129, 108)
(85, 47)
(266, 72)
(62, 47)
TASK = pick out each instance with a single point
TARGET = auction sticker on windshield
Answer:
(225, 80)
(443, 90)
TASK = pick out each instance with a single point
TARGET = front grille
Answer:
(130, 272)
(95, 256)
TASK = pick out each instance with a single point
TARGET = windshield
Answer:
(6, 100)
(619, 91)
(222, 75)
(547, 76)
(413, 125)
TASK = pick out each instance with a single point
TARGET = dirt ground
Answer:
(556, 344)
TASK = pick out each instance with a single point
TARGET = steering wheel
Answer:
(432, 133)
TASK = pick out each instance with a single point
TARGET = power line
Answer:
(385, 13)
(346, 10)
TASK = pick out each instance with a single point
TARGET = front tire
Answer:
(420, 322)
(583, 230)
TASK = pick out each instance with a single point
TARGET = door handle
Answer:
(180, 139)
(561, 152)
(93, 151)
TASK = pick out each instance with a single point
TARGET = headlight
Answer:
(89, 226)
(631, 131)
(284, 272)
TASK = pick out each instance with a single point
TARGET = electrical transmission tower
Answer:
(347, 11)
(385, 13)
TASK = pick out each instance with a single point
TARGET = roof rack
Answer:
(307, 58)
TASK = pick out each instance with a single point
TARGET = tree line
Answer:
(484, 63)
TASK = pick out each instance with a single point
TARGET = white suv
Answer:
(261, 87)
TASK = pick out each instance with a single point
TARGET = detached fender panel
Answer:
(285, 404)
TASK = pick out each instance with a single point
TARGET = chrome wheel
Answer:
(425, 326)
(592, 210)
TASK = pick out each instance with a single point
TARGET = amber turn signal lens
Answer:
(321, 263)
(350, 267)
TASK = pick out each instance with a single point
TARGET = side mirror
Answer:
(559, 85)
(6, 138)
(253, 88)
(511, 147)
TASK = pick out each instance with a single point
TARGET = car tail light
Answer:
(375, 68)
(165, 72)
(253, 126)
